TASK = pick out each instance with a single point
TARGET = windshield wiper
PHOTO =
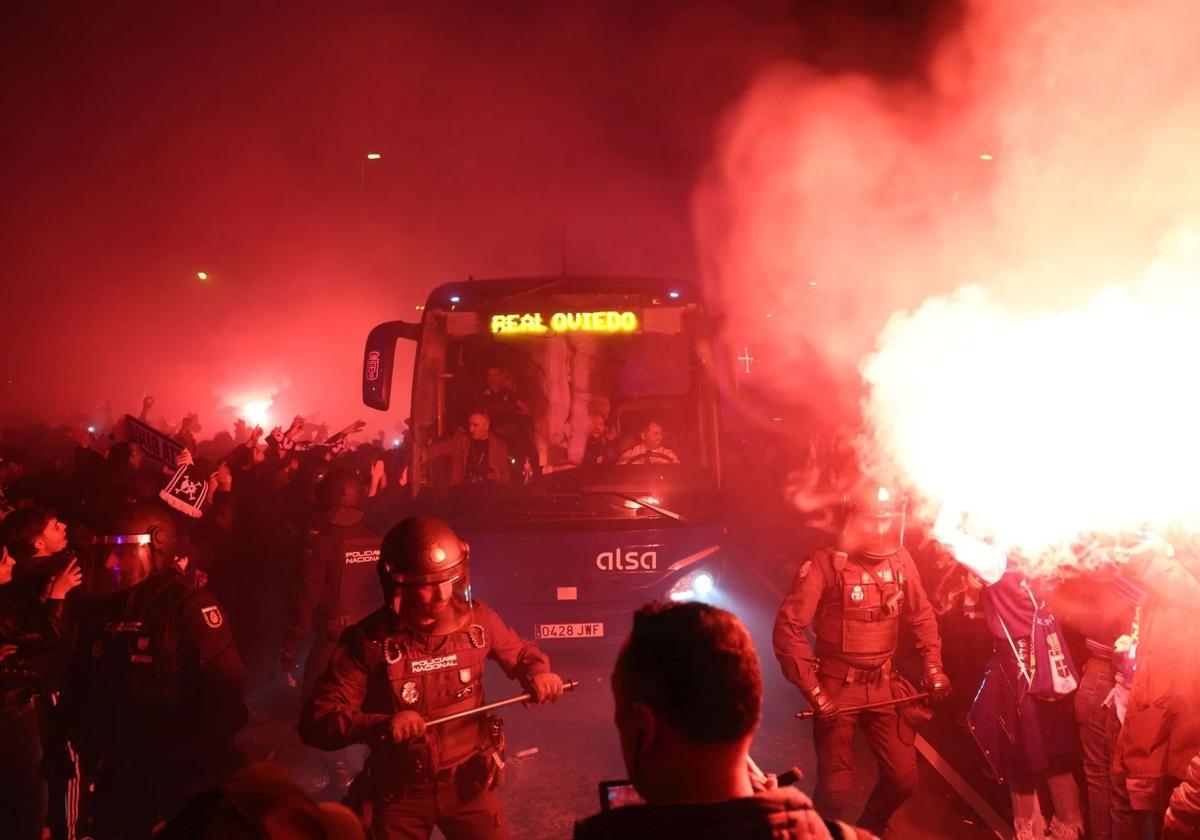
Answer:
(654, 506)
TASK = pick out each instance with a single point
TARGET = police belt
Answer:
(861, 613)
(844, 672)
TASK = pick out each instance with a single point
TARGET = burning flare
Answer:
(1036, 430)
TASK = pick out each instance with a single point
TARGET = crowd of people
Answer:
(147, 589)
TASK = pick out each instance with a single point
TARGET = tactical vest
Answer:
(134, 659)
(438, 678)
(860, 611)
(355, 593)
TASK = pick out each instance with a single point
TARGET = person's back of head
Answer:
(256, 803)
(688, 692)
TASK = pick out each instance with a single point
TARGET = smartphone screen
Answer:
(618, 794)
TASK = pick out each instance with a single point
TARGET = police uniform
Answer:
(338, 587)
(855, 609)
(382, 667)
(155, 697)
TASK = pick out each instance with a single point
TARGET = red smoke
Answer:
(1045, 158)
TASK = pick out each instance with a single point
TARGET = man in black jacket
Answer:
(29, 627)
(688, 693)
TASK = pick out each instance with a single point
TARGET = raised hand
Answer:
(65, 581)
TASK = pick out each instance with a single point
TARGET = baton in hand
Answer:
(882, 704)
(520, 698)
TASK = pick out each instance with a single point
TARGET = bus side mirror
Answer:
(379, 358)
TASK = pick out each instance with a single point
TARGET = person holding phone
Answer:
(687, 688)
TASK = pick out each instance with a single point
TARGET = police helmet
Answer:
(423, 551)
(874, 521)
(341, 497)
(138, 541)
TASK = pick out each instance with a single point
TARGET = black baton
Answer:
(882, 704)
(521, 698)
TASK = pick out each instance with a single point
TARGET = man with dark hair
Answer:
(688, 694)
(37, 540)
(651, 449)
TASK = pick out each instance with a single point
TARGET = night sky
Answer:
(144, 142)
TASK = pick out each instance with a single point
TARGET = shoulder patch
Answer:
(805, 568)
(212, 616)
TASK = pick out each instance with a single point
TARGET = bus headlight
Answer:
(697, 586)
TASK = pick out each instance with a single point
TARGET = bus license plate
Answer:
(569, 631)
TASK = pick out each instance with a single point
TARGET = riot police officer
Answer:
(419, 657)
(854, 597)
(339, 579)
(154, 692)
(338, 586)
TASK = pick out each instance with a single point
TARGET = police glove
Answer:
(545, 688)
(406, 726)
(821, 702)
(937, 684)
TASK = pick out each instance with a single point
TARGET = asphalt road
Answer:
(559, 753)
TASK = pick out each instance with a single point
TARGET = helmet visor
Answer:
(874, 533)
(120, 561)
(442, 603)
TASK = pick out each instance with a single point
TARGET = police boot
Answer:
(1063, 830)
(1026, 830)
(339, 779)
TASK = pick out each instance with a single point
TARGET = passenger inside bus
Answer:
(651, 450)
(601, 445)
(475, 455)
(510, 415)
(499, 394)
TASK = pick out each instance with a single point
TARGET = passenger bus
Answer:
(578, 525)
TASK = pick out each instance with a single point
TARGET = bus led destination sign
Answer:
(536, 323)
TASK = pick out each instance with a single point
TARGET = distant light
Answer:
(373, 156)
(454, 298)
(702, 585)
(883, 495)
(255, 412)
(812, 282)
(202, 275)
(395, 441)
(91, 430)
(673, 294)
(768, 314)
(985, 157)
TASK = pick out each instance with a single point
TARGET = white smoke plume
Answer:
(1019, 220)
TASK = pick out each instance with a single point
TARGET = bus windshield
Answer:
(564, 394)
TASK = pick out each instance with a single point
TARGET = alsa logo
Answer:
(627, 560)
(369, 556)
(373, 359)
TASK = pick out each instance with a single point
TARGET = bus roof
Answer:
(474, 292)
